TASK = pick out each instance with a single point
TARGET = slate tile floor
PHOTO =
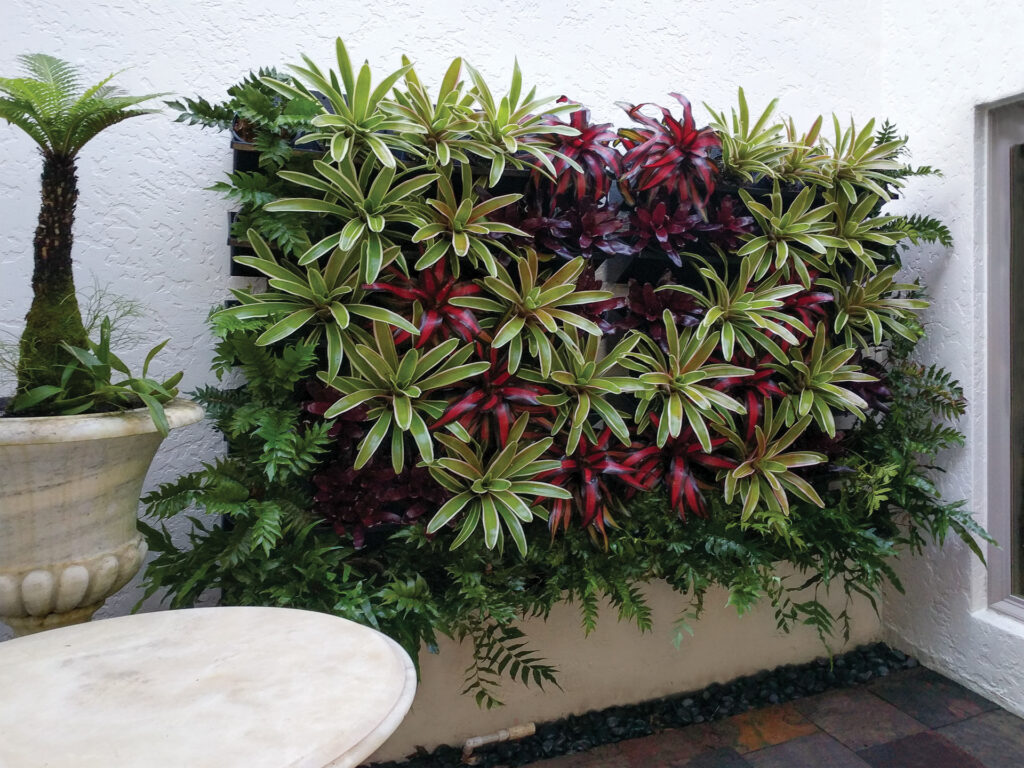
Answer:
(911, 719)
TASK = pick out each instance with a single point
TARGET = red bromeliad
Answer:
(431, 289)
(669, 154)
(587, 474)
(355, 501)
(495, 399)
(674, 464)
(807, 305)
(751, 390)
(592, 150)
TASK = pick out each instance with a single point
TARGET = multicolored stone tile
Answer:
(858, 718)
(885, 725)
(995, 738)
(606, 756)
(922, 750)
(816, 751)
(719, 758)
(673, 747)
(761, 728)
(930, 698)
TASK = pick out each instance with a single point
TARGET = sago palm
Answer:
(51, 105)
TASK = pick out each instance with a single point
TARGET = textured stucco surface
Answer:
(146, 227)
(938, 67)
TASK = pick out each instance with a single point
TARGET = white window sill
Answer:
(1005, 616)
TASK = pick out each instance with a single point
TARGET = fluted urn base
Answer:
(29, 625)
(69, 494)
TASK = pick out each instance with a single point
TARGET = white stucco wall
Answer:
(146, 227)
(939, 65)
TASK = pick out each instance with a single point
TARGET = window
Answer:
(1005, 267)
(1016, 318)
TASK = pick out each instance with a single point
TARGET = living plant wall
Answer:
(505, 357)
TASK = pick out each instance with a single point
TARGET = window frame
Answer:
(1005, 134)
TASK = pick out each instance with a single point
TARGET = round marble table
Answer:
(217, 687)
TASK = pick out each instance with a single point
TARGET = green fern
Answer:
(631, 605)
(199, 111)
(249, 99)
(921, 170)
(409, 596)
(253, 189)
(289, 451)
(886, 133)
(171, 498)
(934, 389)
(267, 528)
(923, 229)
(589, 608)
(275, 150)
(294, 364)
(219, 403)
(500, 650)
(285, 231)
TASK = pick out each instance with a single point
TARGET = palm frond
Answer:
(50, 70)
(50, 105)
(16, 113)
(79, 132)
(54, 82)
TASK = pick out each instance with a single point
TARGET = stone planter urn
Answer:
(69, 495)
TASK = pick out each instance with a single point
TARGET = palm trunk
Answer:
(54, 315)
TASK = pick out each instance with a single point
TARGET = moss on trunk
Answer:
(54, 315)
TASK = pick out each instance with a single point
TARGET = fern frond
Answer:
(924, 229)
(632, 605)
(501, 650)
(284, 230)
(887, 133)
(199, 111)
(274, 150)
(921, 170)
(589, 608)
(267, 528)
(171, 498)
(84, 126)
(247, 188)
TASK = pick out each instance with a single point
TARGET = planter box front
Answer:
(615, 665)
